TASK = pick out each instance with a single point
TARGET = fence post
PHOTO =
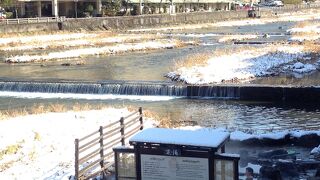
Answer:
(122, 131)
(76, 161)
(101, 149)
(140, 119)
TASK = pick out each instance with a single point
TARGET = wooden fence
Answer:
(94, 152)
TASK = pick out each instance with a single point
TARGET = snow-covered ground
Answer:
(44, 38)
(305, 32)
(45, 142)
(244, 65)
(237, 37)
(73, 40)
(112, 49)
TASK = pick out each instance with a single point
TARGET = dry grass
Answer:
(193, 60)
(310, 46)
(164, 121)
(201, 59)
(303, 24)
(42, 108)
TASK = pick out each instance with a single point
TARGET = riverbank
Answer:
(67, 45)
(44, 147)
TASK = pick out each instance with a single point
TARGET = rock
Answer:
(315, 152)
(287, 169)
(275, 142)
(80, 63)
(269, 173)
(66, 64)
(298, 65)
(266, 36)
(308, 140)
(318, 173)
(278, 153)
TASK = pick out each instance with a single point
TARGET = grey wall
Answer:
(126, 22)
(151, 20)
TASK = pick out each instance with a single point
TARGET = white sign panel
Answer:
(156, 167)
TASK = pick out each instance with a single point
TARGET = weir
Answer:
(148, 88)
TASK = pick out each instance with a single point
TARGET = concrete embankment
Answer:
(151, 20)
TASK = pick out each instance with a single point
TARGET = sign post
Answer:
(170, 154)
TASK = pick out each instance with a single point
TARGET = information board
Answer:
(157, 167)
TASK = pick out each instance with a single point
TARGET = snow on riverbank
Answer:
(237, 37)
(91, 40)
(120, 48)
(305, 32)
(45, 142)
(242, 65)
(45, 38)
(243, 136)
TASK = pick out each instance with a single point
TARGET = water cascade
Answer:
(146, 88)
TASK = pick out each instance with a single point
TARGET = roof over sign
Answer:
(202, 138)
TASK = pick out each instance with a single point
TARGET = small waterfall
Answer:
(122, 88)
(125, 88)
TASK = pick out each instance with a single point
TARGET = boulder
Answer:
(308, 140)
(273, 154)
(269, 173)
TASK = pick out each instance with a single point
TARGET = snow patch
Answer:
(241, 65)
(51, 154)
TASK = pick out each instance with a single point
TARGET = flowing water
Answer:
(240, 115)
(151, 66)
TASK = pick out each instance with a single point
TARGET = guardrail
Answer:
(295, 7)
(94, 152)
(33, 20)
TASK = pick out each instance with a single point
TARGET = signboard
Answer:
(156, 167)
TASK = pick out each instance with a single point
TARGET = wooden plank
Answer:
(76, 162)
(86, 137)
(111, 131)
(110, 125)
(98, 172)
(89, 144)
(131, 115)
(111, 144)
(132, 120)
(90, 166)
(133, 131)
(101, 146)
(90, 155)
(122, 131)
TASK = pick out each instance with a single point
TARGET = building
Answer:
(55, 8)
(72, 8)
(178, 6)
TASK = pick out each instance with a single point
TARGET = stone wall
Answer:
(151, 20)
(32, 27)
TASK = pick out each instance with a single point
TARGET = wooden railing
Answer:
(32, 20)
(94, 152)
